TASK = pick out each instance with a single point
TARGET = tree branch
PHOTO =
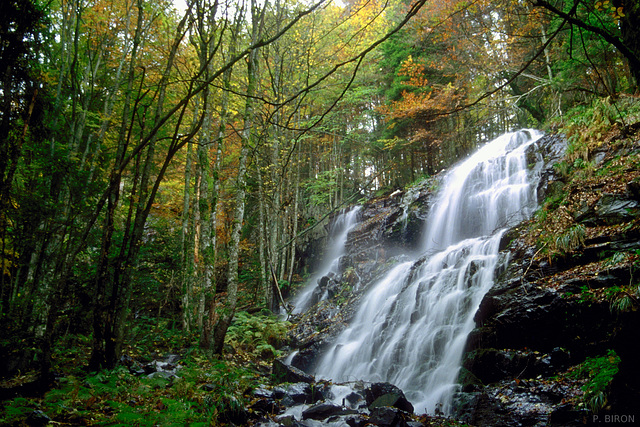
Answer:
(570, 17)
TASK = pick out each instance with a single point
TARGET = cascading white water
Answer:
(331, 261)
(412, 326)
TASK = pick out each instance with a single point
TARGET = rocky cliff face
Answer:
(569, 299)
(388, 227)
(558, 303)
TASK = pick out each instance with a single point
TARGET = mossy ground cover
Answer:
(202, 392)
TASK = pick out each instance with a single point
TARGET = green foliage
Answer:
(599, 372)
(200, 393)
(587, 126)
(72, 352)
(321, 188)
(570, 240)
(344, 295)
(16, 409)
(565, 243)
(395, 51)
(260, 334)
(285, 286)
(624, 298)
(551, 203)
(152, 335)
(587, 296)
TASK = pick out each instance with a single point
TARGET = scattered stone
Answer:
(287, 421)
(263, 393)
(297, 393)
(354, 398)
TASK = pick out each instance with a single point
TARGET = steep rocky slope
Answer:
(568, 300)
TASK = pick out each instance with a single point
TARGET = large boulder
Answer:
(384, 394)
(284, 373)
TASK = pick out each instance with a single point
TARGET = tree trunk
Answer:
(228, 311)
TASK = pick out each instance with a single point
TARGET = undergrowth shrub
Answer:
(260, 334)
(599, 372)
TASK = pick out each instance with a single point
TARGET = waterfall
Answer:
(412, 325)
(313, 291)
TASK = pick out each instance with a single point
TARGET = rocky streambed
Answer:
(300, 400)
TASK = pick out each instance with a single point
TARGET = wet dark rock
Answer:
(354, 398)
(265, 406)
(516, 314)
(323, 411)
(263, 393)
(136, 370)
(307, 354)
(150, 368)
(305, 404)
(234, 414)
(284, 373)
(468, 381)
(357, 421)
(567, 415)
(516, 403)
(465, 405)
(492, 365)
(279, 392)
(388, 417)
(297, 393)
(287, 421)
(384, 394)
(38, 418)
(614, 209)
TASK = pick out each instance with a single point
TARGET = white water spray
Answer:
(331, 262)
(412, 326)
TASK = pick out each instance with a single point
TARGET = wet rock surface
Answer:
(386, 395)
(322, 403)
(388, 227)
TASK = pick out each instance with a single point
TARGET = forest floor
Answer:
(163, 379)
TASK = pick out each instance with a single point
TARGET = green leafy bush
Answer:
(260, 334)
(599, 372)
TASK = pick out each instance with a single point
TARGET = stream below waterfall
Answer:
(411, 326)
